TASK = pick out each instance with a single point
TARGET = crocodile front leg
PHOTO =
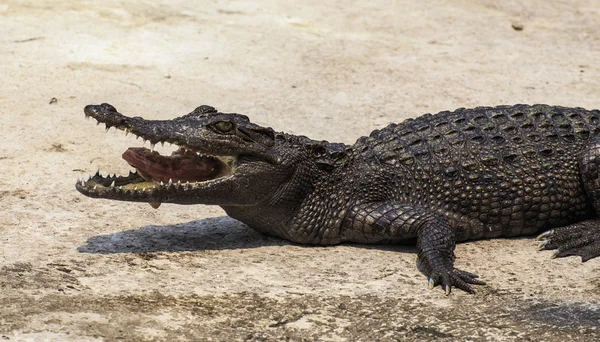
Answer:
(391, 221)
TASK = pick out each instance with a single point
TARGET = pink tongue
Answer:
(180, 166)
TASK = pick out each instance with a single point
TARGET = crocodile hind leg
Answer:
(389, 221)
(582, 239)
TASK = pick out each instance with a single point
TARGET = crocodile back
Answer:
(507, 170)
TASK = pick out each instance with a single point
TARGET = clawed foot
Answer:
(447, 276)
(582, 239)
(457, 278)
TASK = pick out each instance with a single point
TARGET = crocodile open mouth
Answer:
(157, 178)
(157, 175)
(182, 166)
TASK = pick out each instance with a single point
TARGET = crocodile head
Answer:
(220, 158)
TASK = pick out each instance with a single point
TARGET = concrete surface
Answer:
(77, 269)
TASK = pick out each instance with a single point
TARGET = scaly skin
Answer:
(453, 176)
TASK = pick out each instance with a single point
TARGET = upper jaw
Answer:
(189, 134)
(154, 131)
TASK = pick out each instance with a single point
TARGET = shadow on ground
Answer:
(206, 234)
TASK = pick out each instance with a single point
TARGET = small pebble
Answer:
(517, 26)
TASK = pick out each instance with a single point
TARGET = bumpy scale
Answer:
(453, 176)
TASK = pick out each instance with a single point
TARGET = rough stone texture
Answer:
(73, 268)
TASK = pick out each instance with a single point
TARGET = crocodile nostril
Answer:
(108, 107)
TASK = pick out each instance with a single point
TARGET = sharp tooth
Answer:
(152, 147)
(161, 183)
(95, 186)
(112, 185)
(170, 181)
(89, 177)
(82, 182)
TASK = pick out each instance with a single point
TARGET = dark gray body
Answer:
(469, 174)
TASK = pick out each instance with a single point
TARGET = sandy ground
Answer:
(78, 269)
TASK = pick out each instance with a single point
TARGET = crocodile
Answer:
(433, 180)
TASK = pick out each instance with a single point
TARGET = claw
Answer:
(555, 254)
(542, 245)
(544, 235)
(431, 283)
(447, 289)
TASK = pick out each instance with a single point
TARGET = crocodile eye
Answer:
(224, 126)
